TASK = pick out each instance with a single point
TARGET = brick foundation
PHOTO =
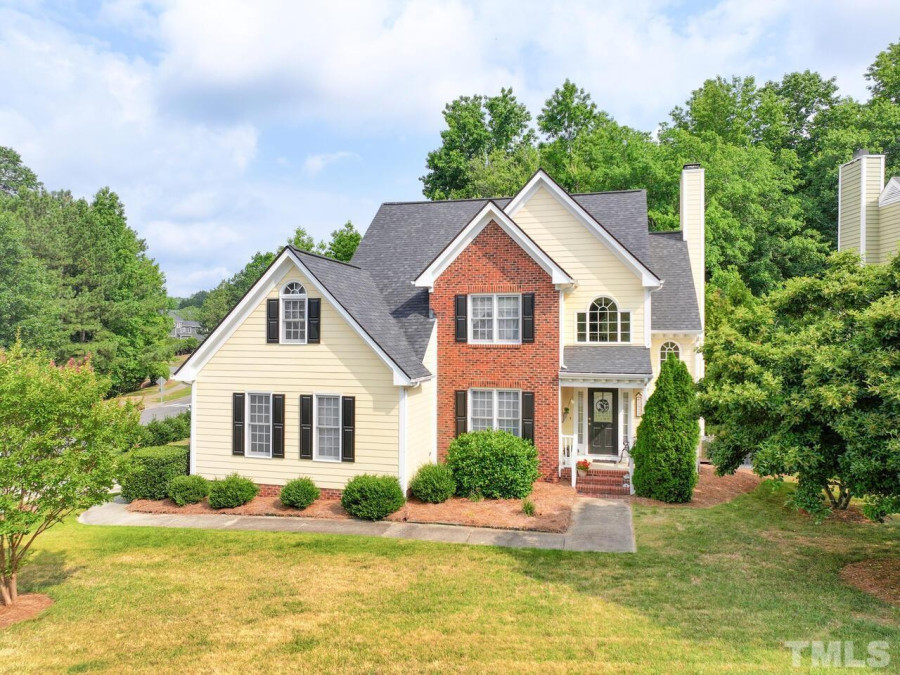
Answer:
(275, 490)
(494, 263)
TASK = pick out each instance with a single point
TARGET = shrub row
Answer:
(145, 473)
(168, 430)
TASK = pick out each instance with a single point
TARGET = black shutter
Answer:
(348, 428)
(461, 417)
(277, 425)
(528, 415)
(306, 403)
(460, 308)
(272, 320)
(237, 424)
(314, 320)
(528, 317)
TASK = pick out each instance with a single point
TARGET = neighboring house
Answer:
(546, 315)
(184, 328)
(868, 210)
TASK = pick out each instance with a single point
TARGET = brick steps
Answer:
(599, 482)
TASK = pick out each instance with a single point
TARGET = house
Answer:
(868, 210)
(184, 328)
(547, 315)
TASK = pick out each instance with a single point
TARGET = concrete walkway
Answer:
(598, 525)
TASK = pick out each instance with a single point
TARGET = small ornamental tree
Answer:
(806, 382)
(665, 454)
(57, 437)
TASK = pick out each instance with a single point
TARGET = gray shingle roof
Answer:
(608, 359)
(357, 293)
(674, 306)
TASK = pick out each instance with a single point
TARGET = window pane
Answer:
(603, 320)
(508, 416)
(581, 415)
(508, 307)
(482, 317)
(260, 425)
(625, 326)
(581, 326)
(482, 403)
(328, 426)
(294, 320)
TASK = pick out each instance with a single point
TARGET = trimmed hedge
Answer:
(231, 492)
(145, 473)
(188, 489)
(299, 493)
(494, 464)
(166, 430)
(433, 483)
(372, 497)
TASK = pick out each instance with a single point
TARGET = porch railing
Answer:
(567, 455)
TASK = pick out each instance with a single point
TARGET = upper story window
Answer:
(669, 348)
(603, 322)
(293, 313)
(495, 318)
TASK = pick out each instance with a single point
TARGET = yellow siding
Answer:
(850, 206)
(342, 364)
(693, 224)
(421, 416)
(890, 231)
(687, 345)
(872, 166)
(588, 260)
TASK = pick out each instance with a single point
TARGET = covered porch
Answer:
(600, 411)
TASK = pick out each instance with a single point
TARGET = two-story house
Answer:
(546, 315)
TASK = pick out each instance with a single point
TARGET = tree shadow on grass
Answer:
(43, 570)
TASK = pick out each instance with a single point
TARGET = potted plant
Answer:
(583, 466)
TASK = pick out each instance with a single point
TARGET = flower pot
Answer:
(582, 473)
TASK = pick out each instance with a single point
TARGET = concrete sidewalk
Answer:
(598, 525)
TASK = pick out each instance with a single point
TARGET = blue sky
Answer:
(224, 125)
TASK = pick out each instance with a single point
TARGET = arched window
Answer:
(603, 322)
(669, 348)
(293, 313)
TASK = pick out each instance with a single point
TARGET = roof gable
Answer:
(491, 212)
(382, 336)
(541, 179)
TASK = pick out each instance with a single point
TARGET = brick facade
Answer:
(494, 263)
(275, 490)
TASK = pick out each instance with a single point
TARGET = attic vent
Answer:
(891, 193)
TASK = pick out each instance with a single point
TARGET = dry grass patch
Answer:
(877, 576)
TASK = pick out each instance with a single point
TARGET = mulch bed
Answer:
(712, 489)
(553, 510)
(876, 576)
(27, 607)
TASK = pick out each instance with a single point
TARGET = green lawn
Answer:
(708, 591)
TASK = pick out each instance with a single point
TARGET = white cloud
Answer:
(214, 120)
(315, 163)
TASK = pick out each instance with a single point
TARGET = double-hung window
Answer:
(293, 313)
(259, 427)
(495, 318)
(328, 427)
(498, 409)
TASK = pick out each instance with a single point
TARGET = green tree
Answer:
(567, 113)
(884, 75)
(477, 127)
(806, 381)
(229, 292)
(301, 239)
(665, 454)
(344, 242)
(14, 175)
(57, 442)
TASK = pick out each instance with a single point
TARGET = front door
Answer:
(602, 429)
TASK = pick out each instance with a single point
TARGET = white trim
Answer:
(619, 311)
(315, 427)
(188, 370)
(494, 406)
(891, 192)
(495, 319)
(282, 297)
(540, 178)
(247, 424)
(562, 329)
(192, 443)
(490, 212)
(862, 208)
(401, 442)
